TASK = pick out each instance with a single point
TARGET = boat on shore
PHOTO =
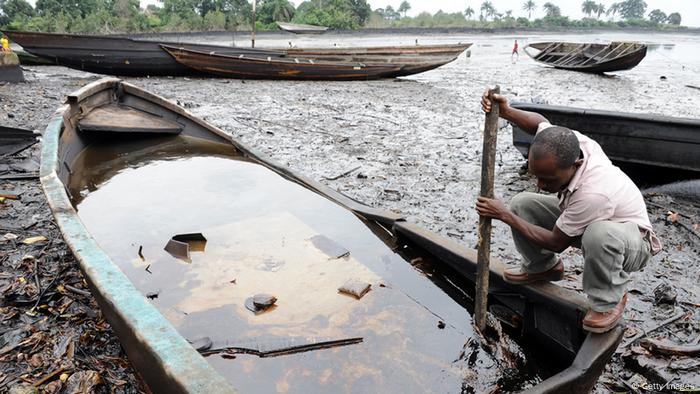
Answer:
(244, 67)
(184, 324)
(300, 28)
(588, 57)
(649, 140)
(414, 59)
(113, 55)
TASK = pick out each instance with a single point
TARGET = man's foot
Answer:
(518, 276)
(600, 322)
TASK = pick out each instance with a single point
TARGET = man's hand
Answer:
(492, 208)
(486, 103)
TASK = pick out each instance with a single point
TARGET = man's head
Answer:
(554, 158)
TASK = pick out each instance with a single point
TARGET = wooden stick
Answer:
(488, 161)
(252, 37)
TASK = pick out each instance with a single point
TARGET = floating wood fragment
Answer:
(355, 288)
(280, 346)
(329, 246)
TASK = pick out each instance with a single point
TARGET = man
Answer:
(514, 55)
(596, 208)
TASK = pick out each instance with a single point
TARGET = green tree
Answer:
(551, 10)
(487, 9)
(599, 9)
(674, 19)
(632, 9)
(613, 10)
(469, 12)
(657, 16)
(11, 9)
(529, 6)
(390, 13)
(588, 7)
(275, 10)
(404, 7)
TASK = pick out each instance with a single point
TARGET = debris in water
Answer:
(441, 324)
(355, 288)
(141, 253)
(152, 295)
(260, 303)
(329, 247)
(180, 245)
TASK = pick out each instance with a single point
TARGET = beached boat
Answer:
(588, 57)
(115, 55)
(650, 140)
(13, 140)
(127, 172)
(279, 68)
(300, 28)
(413, 58)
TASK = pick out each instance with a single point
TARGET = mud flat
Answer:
(413, 146)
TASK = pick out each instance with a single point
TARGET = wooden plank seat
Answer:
(114, 118)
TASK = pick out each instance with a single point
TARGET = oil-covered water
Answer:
(259, 229)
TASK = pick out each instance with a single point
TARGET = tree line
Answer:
(116, 16)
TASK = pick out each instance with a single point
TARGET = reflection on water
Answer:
(259, 229)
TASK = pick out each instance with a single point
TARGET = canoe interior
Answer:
(260, 221)
(279, 68)
(589, 57)
(650, 140)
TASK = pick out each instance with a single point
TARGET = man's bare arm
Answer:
(526, 120)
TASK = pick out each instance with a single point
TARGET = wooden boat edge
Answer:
(594, 67)
(167, 361)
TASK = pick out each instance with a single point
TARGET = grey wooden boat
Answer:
(588, 57)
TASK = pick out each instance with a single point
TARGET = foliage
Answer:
(112, 16)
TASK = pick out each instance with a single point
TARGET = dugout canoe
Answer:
(115, 55)
(245, 67)
(649, 140)
(588, 57)
(413, 58)
(300, 28)
(280, 232)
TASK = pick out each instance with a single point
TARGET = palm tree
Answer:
(488, 9)
(600, 9)
(529, 6)
(614, 8)
(588, 7)
(552, 10)
(469, 12)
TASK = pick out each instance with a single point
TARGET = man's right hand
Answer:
(486, 103)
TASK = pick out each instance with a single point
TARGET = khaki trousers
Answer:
(611, 250)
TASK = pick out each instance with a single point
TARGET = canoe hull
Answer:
(655, 141)
(590, 58)
(292, 69)
(114, 55)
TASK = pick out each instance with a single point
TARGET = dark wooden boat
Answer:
(414, 59)
(115, 55)
(27, 59)
(13, 140)
(300, 28)
(588, 57)
(269, 229)
(246, 67)
(651, 140)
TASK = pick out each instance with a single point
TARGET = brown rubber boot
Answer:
(518, 276)
(600, 322)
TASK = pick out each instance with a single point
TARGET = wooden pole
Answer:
(252, 37)
(488, 161)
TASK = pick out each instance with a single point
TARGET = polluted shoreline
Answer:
(325, 130)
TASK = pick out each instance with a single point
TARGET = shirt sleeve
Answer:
(582, 211)
(543, 126)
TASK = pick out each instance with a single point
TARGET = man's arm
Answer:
(555, 240)
(526, 120)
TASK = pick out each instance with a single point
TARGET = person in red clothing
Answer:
(515, 55)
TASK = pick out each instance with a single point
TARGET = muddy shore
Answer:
(410, 145)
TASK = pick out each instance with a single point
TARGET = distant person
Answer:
(5, 43)
(514, 56)
(594, 206)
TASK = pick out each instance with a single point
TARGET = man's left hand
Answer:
(492, 208)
